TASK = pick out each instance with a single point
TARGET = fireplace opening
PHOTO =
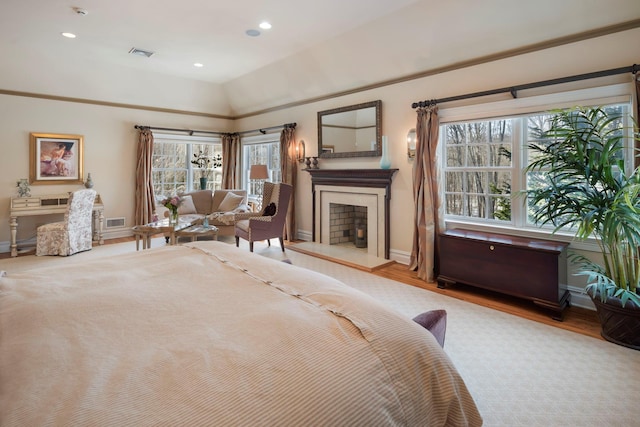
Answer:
(348, 225)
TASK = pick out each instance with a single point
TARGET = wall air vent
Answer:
(141, 52)
(115, 222)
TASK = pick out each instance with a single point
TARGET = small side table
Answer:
(146, 231)
(198, 231)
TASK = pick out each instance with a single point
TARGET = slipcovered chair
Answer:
(72, 235)
(270, 222)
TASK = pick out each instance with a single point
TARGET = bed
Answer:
(208, 334)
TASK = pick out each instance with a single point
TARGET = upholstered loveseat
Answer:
(222, 207)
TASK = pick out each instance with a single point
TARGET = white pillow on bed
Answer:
(187, 206)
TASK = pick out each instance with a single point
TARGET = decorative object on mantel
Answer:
(314, 163)
(385, 163)
(307, 162)
(23, 188)
(89, 182)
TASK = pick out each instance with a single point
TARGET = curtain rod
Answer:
(191, 132)
(514, 89)
(264, 130)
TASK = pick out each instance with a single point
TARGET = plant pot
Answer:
(619, 325)
(203, 183)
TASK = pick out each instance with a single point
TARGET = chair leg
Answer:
(250, 246)
(237, 241)
(269, 242)
(281, 243)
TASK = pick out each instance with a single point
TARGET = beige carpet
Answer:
(521, 373)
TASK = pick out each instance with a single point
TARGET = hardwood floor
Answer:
(576, 319)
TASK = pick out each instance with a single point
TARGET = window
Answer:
(172, 170)
(478, 171)
(483, 166)
(260, 150)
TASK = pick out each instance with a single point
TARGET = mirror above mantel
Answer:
(352, 131)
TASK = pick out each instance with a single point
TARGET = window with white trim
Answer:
(260, 150)
(482, 162)
(172, 170)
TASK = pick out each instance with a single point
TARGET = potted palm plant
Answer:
(583, 185)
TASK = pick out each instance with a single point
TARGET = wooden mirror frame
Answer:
(323, 154)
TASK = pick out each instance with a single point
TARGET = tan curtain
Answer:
(230, 163)
(289, 170)
(425, 195)
(636, 82)
(145, 203)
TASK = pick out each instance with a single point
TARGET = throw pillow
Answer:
(270, 210)
(435, 321)
(230, 202)
(187, 206)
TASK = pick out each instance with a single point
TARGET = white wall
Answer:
(110, 142)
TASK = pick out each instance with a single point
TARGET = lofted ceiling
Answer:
(181, 33)
(313, 48)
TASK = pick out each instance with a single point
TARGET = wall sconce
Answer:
(300, 151)
(411, 143)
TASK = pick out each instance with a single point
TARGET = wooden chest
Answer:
(527, 268)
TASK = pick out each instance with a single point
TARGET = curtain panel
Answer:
(230, 163)
(425, 194)
(289, 170)
(636, 103)
(145, 203)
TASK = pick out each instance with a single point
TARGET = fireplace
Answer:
(369, 190)
(347, 225)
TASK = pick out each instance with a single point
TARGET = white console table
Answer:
(46, 205)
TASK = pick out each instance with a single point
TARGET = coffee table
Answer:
(198, 231)
(145, 232)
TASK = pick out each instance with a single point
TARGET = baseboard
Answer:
(30, 244)
(400, 257)
(579, 298)
(307, 236)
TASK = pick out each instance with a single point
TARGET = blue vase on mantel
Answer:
(385, 162)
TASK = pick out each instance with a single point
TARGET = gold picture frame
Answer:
(56, 158)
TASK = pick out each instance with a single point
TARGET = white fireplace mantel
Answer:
(359, 187)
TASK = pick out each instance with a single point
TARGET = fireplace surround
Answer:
(359, 187)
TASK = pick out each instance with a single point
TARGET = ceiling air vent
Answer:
(141, 52)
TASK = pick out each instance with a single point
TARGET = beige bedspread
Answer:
(208, 334)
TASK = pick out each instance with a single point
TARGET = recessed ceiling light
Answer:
(252, 33)
(199, 65)
(265, 25)
(69, 35)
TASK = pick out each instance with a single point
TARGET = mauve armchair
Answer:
(265, 227)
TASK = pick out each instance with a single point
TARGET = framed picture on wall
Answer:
(55, 158)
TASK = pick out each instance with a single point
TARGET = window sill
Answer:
(585, 245)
